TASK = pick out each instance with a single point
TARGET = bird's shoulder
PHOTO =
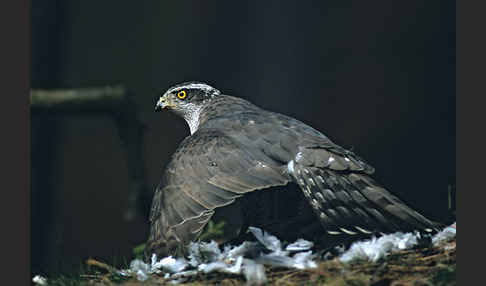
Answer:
(254, 129)
(237, 114)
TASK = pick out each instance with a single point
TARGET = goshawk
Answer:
(284, 175)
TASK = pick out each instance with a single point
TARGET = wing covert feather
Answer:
(208, 170)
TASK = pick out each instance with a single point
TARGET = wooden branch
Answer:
(104, 99)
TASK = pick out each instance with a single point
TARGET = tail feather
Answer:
(392, 205)
(353, 203)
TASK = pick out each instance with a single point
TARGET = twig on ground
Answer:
(93, 262)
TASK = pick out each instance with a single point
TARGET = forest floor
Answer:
(421, 266)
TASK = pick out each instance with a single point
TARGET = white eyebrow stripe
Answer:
(202, 86)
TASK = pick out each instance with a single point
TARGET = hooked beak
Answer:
(162, 104)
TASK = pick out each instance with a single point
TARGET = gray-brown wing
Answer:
(208, 170)
(336, 181)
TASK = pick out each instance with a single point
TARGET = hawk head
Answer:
(185, 96)
(186, 100)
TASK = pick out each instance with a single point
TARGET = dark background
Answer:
(378, 77)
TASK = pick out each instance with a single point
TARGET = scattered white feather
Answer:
(223, 266)
(300, 245)
(246, 259)
(249, 258)
(254, 273)
(39, 280)
(247, 248)
(269, 241)
(140, 269)
(376, 248)
(143, 270)
(446, 234)
(170, 264)
(304, 260)
(204, 252)
(276, 260)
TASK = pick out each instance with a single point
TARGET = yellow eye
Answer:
(181, 94)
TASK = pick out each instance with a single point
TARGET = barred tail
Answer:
(353, 203)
